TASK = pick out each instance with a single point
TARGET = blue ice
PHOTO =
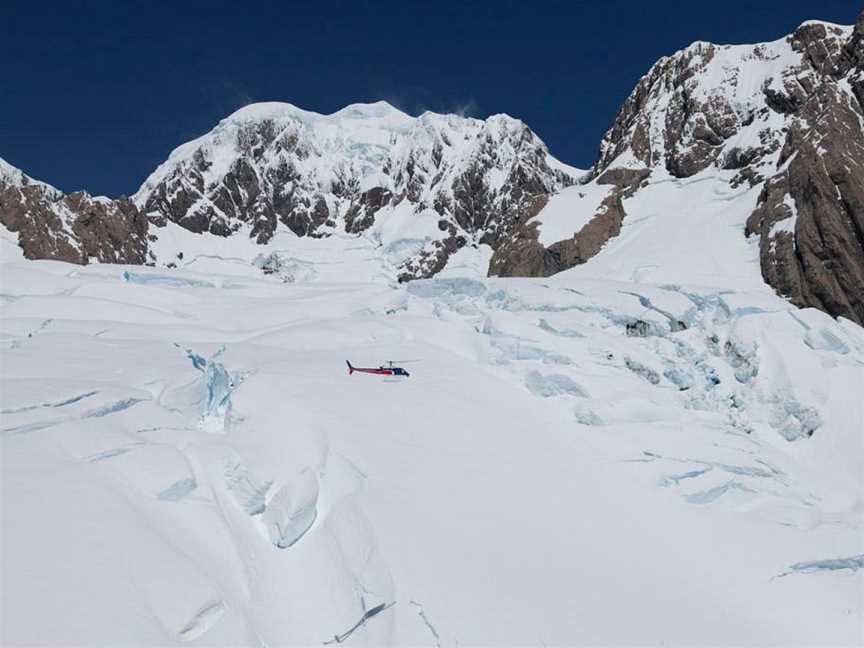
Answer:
(111, 408)
(164, 280)
(552, 385)
(431, 288)
(853, 563)
(713, 494)
(178, 490)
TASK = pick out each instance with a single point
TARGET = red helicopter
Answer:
(388, 370)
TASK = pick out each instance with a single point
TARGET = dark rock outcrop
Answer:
(810, 215)
(75, 228)
(524, 256)
(672, 119)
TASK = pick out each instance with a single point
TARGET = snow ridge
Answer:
(15, 177)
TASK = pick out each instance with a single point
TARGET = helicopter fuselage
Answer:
(379, 371)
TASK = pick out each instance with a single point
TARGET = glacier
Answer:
(185, 460)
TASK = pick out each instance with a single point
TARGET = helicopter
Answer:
(387, 369)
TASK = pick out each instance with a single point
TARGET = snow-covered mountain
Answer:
(747, 159)
(717, 142)
(428, 185)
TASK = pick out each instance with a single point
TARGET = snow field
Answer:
(186, 460)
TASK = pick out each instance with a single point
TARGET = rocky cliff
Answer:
(74, 227)
(810, 217)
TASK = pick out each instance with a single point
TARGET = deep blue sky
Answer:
(96, 94)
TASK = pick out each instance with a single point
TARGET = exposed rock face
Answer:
(452, 180)
(685, 114)
(76, 227)
(522, 255)
(810, 216)
(785, 116)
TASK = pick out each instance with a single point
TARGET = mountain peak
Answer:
(824, 23)
(12, 175)
(263, 110)
(374, 110)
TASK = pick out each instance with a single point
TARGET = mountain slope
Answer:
(768, 137)
(430, 185)
(74, 227)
